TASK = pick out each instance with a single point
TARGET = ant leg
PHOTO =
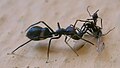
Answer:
(87, 41)
(80, 21)
(82, 26)
(23, 45)
(76, 23)
(69, 39)
(85, 20)
(38, 23)
(108, 31)
(33, 25)
(90, 19)
(20, 46)
(70, 46)
(49, 47)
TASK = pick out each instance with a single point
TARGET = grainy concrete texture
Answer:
(17, 15)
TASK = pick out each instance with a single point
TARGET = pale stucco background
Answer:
(17, 15)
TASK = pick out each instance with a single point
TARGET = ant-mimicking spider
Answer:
(95, 31)
(36, 33)
(94, 17)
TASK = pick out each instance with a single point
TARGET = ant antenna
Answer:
(58, 25)
(88, 11)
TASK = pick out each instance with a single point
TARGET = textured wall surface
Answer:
(17, 15)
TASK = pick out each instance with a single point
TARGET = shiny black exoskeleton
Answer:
(36, 33)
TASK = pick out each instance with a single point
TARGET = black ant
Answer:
(36, 33)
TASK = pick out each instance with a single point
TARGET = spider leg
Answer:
(70, 46)
(87, 41)
(108, 31)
